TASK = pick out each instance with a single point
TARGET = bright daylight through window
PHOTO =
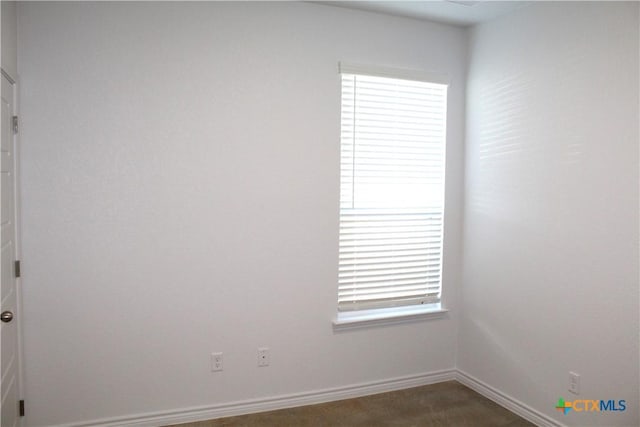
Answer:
(393, 138)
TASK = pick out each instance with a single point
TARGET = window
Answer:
(393, 137)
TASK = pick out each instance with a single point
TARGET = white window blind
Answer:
(393, 134)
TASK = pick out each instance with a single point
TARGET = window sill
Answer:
(387, 316)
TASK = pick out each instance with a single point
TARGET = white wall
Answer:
(9, 38)
(180, 194)
(551, 207)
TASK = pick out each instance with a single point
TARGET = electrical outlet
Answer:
(216, 362)
(574, 383)
(263, 356)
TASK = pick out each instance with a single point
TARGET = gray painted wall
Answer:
(180, 197)
(551, 207)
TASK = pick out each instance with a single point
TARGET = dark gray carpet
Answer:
(438, 405)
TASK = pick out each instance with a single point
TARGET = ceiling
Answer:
(456, 12)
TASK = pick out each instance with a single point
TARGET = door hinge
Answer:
(21, 408)
(15, 124)
(16, 268)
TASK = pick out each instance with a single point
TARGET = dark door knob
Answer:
(6, 316)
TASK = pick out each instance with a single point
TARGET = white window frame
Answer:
(392, 313)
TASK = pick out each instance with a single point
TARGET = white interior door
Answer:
(9, 355)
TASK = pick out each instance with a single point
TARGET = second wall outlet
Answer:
(574, 383)
(216, 362)
(263, 356)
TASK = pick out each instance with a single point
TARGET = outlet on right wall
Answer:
(552, 208)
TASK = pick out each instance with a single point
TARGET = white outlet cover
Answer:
(574, 383)
(216, 362)
(263, 356)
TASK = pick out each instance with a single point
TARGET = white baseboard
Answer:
(271, 403)
(202, 413)
(506, 401)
